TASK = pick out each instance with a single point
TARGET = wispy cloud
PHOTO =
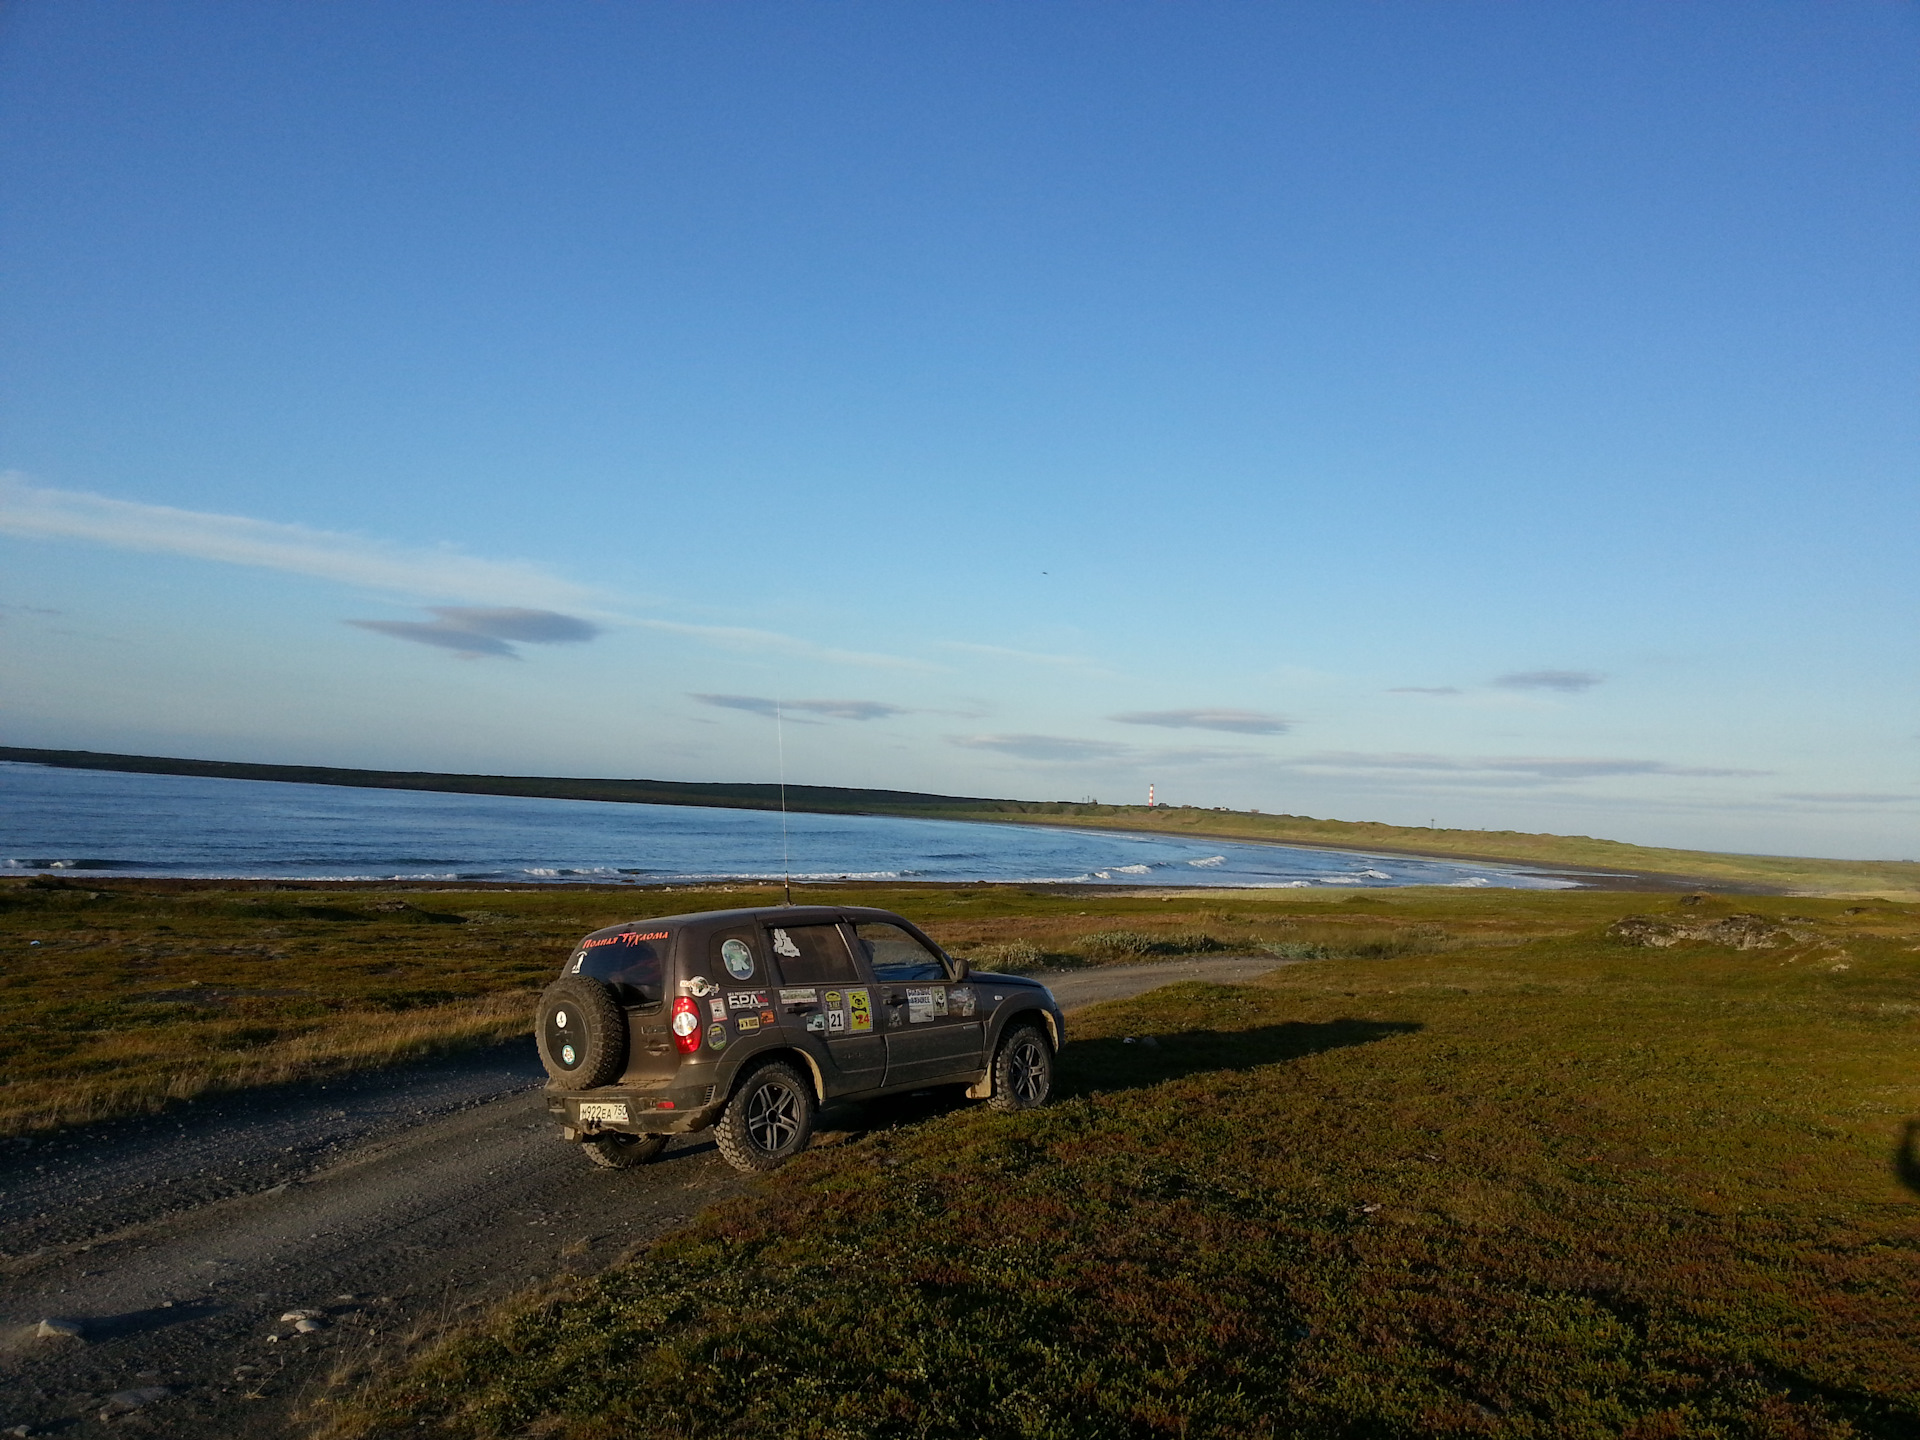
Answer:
(737, 637)
(1850, 797)
(38, 512)
(1031, 657)
(833, 709)
(1044, 747)
(1568, 681)
(439, 573)
(1239, 722)
(1064, 749)
(1424, 690)
(1535, 768)
(474, 631)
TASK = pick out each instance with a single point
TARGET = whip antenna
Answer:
(786, 862)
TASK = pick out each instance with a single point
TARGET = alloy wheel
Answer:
(773, 1117)
(1028, 1070)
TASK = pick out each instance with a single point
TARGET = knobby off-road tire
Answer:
(768, 1121)
(620, 1151)
(582, 1032)
(1022, 1071)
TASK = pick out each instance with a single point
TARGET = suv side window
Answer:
(896, 955)
(813, 955)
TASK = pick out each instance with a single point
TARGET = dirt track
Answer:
(391, 1202)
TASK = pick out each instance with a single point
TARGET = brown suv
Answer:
(749, 1020)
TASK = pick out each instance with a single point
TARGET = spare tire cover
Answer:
(582, 1032)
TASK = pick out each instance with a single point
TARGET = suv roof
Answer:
(799, 914)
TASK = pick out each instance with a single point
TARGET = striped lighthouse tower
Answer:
(1149, 797)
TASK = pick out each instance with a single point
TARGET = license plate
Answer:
(615, 1110)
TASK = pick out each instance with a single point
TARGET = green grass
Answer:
(1559, 1186)
(126, 999)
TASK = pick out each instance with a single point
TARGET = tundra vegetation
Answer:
(1503, 1165)
(1491, 1163)
(122, 1000)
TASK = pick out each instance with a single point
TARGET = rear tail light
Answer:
(686, 1025)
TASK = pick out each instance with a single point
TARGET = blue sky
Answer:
(1495, 415)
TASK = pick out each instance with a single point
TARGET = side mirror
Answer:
(961, 969)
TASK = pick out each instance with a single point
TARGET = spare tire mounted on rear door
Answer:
(582, 1032)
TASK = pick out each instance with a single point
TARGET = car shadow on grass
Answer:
(1085, 1067)
(1906, 1159)
(1088, 1067)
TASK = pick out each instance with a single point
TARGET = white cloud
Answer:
(41, 513)
(834, 709)
(1497, 768)
(1066, 749)
(735, 637)
(1239, 722)
(1567, 681)
(1850, 797)
(1031, 657)
(1044, 747)
(471, 631)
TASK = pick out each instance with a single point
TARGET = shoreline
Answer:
(1586, 862)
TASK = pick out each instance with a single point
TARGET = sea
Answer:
(103, 823)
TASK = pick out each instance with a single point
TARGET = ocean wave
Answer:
(1470, 882)
(80, 863)
(773, 876)
(1374, 875)
(1133, 869)
(1211, 862)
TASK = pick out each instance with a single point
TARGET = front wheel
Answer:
(620, 1151)
(768, 1121)
(1022, 1071)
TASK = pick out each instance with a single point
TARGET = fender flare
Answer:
(790, 1053)
(983, 1087)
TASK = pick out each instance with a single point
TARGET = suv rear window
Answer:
(813, 955)
(632, 966)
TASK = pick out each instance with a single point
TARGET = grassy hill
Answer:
(1708, 869)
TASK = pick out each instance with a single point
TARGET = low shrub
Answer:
(1010, 956)
(1109, 945)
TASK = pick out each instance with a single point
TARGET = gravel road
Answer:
(387, 1204)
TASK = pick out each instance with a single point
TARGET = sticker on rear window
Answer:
(738, 958)
(783, 945)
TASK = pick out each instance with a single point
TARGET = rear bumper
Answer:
(635, 1110)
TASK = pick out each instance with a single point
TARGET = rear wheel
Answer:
(1022, 1071)
(768, 1121)
(582, 1032)
(620, 1151)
